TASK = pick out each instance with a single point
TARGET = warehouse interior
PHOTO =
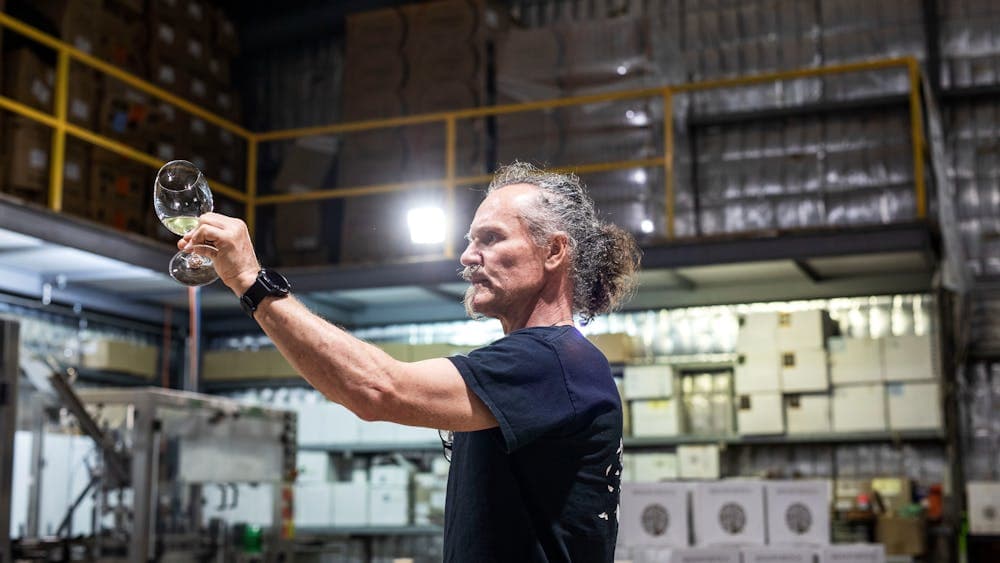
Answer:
(809, 369)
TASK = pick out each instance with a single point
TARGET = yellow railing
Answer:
(448, 119)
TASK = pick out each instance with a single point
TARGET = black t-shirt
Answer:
(544, 485)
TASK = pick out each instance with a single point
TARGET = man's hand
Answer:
(235, 262)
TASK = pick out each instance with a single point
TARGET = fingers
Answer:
(206, 234)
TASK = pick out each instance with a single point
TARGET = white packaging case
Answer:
(648, 382)
(984, 507)
(350, 504)
(909, 358)
(914, 405)
(652, 467)
(312, 467)
(698, 462)
(655, 417)
(654, 514)
(853, 553)
(779, 554)
(855, 360)
(728, 513)
(804, 369)
(798, 512)
(757, 329)
(807, 413)
(802, 329)
(758, 370)
(389, 505)
(859, 408)
(313, 505)
(760, 413)
(686, 555)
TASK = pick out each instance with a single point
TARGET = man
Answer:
(536, 457)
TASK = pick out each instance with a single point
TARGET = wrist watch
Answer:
(268, 284)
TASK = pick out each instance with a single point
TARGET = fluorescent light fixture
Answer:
(622, 70)
(638, 118)
(639, 176)
(646, 226)
(427, 225)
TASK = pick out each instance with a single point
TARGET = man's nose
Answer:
(469, 256)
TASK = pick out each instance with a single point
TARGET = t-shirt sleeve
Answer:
(521, 381)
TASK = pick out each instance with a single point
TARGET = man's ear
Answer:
(558, 251)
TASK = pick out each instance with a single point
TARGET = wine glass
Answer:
(180, 196)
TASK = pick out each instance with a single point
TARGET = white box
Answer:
(653, 467)
(984, 507)
(313, 504)
(804, 369)
(326, 423)
(654, 514)
(760, 413)
(756, 330)
(853, 553)
(648, 382)
(807, 413)
(350, 504)
(728, 513)
(778, 554)
(312, 467)
(389, 475)
(758, 370)
(798, 512)
(855, 360)
(908, 358)
(389, 506)
(686, 555)
(859, 408)
(655, 417)
(378, 432)
(698, 462)
(802, 329)
(914, 406)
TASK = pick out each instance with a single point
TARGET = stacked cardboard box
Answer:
(119, 192)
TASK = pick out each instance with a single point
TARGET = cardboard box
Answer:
(617, 347)
(652, 467)
(758, 370)
(350, 504)
(77, 22)
(375, 29)
(82, 98)
(855, 360)
(698, 462)
(120, 356)
(125, 113)
(655, 417)
(983, 502)
(729, 513)
(807, 413)
(388, 505)
(896, 491)
(325, 423)
(757, 330)
(909, 358)
(76, 178)
(648, 382)
(798, 512)
(26, 162)
(760, 413)
(29, 80)
(914, 405)
(853, 553)
(859, 408)
(306, 166)
(804, 370)
(779, 554)
(654, 514)
(803, 329)
(389, 476)
(902, 536)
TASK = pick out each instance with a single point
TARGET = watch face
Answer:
(276, 282)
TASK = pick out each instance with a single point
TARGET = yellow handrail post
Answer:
(917, 138)
(668, 158)
(251, 181)
(58, 158)
(449, 185)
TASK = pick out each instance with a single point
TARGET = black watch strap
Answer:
(268, 284)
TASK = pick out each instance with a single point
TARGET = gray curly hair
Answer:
(604, 257)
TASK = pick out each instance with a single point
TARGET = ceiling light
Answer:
(427, 225)
(646, 226)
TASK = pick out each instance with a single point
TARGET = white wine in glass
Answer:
(181, 195)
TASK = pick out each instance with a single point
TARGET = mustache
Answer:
(467, 272)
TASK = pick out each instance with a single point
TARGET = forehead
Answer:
(505, 205)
